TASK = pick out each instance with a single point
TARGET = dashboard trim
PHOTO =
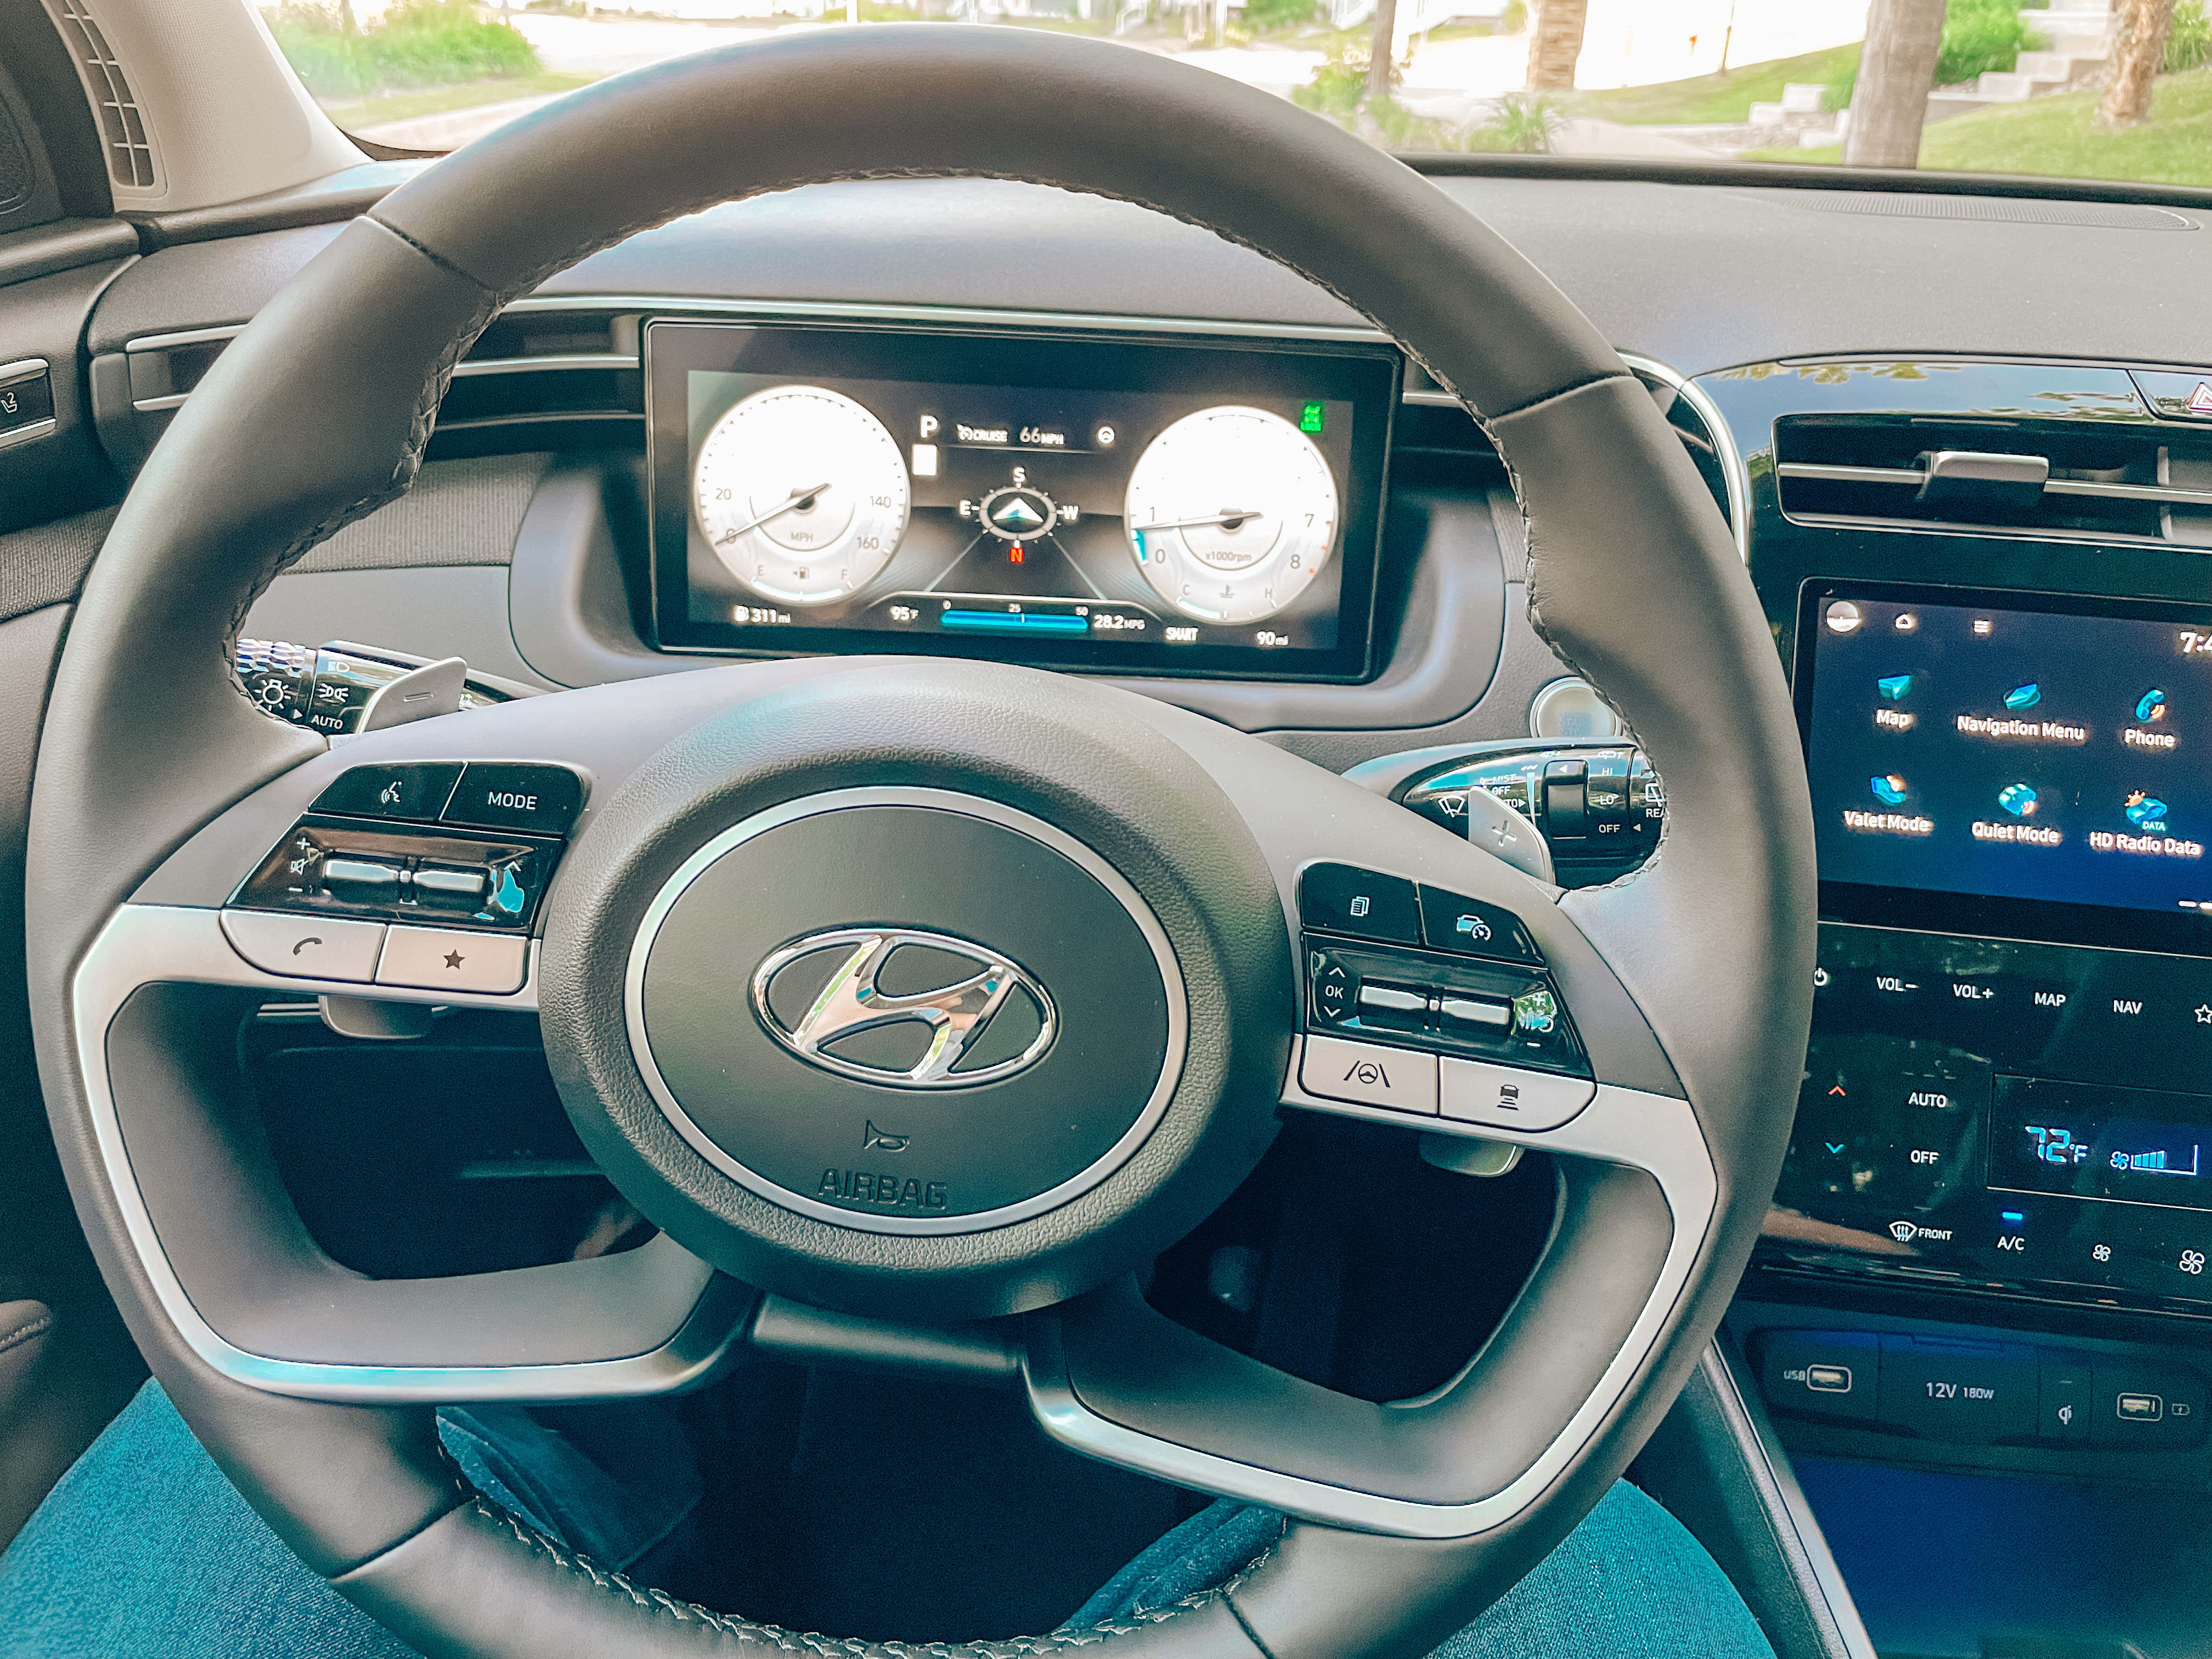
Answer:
(1734, 475)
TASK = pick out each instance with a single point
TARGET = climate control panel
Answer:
(1989, 1114)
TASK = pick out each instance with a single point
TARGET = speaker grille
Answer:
(122, 126)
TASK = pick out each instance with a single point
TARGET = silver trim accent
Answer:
(24, 434)
(1754, 1434)
(738, 310)
(467, 368)
(168, 400)
(1735, 476)
(144, 945)
(2167, 495)
(855, 1001)
(189, 337)
(23, 368)
(1437, 399)
(943, 800)
(1656, 1133)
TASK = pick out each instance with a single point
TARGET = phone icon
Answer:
(304, 943)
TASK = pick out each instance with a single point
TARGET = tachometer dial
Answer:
(802, 493)
(1230, 512)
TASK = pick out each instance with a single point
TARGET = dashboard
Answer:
(891, 432)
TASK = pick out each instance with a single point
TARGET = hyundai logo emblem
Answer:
(958, 1012)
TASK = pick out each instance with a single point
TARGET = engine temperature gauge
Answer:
(1232, 513)
(802, 493)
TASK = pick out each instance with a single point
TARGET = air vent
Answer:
(1437, 440)
(2103, 481)
(122, 125)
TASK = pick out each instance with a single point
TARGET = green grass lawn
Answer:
(2053, 138)
(436, 100)
(1714, 98)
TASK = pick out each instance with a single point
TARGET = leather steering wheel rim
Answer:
(319, 411)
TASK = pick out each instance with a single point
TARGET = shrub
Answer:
(1978, 35)
(1340, 84)
(1524, 124)
(1263, 14)
(421, 43)
(2189, 44)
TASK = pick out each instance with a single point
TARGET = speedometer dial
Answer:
(1232, 513)
(802, 493)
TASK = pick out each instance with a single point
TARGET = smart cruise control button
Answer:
(310, 947)
(1369, 1075)
(437, 959)
(1507, 1097)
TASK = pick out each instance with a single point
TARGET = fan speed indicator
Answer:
(802, 493)
(1232, 513)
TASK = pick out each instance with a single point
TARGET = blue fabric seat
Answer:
(145, 1551)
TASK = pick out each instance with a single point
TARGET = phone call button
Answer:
(306, 946)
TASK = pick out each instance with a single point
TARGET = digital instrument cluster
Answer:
(2012, 1005)
(1187, 507)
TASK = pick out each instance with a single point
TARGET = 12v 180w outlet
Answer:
(905, 1017)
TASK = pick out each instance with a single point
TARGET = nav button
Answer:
(306, 946)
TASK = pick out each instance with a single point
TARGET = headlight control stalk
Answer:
(1597, 805)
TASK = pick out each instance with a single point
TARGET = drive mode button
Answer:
(517, 795)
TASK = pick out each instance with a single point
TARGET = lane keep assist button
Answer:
(1369, 1075)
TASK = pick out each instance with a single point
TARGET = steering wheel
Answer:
(1140, 864)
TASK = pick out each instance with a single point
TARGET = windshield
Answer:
(2115, 90)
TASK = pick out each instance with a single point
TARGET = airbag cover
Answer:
(849, 1134)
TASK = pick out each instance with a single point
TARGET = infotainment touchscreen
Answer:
(2020, 765)
(1101, 503)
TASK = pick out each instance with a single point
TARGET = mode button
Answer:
(517, 795)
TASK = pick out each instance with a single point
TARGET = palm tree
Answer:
(2144, 25)
(1555, 41)
(1379, 55)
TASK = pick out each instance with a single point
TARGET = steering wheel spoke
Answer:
(158, 1000)
(1442, 992)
